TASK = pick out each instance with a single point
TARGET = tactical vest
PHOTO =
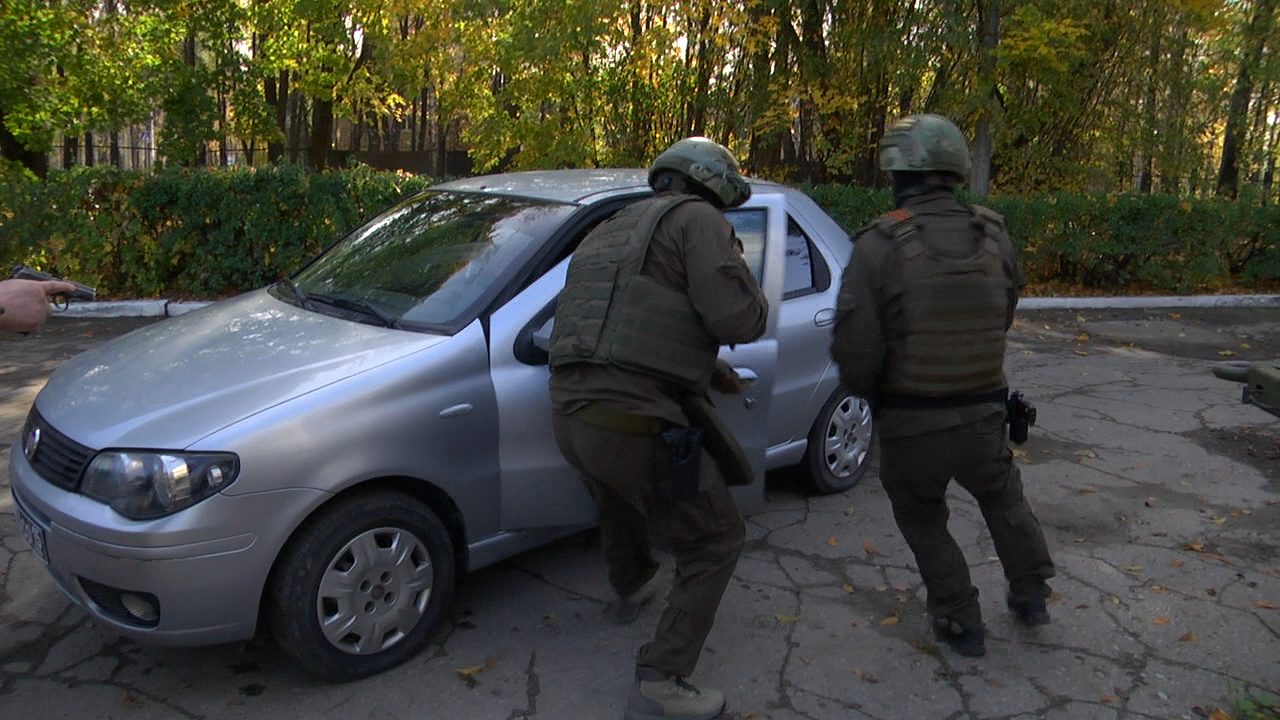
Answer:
(609, 313)
(954, 311)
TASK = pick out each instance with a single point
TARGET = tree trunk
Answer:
(989, 23)
(321, 134)
(1238, 109)
(114, 152)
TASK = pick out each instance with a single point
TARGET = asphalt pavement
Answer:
(1158, 490)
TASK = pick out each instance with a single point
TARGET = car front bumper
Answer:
(202, 570)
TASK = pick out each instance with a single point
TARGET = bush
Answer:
(212, 233)
(187, 233)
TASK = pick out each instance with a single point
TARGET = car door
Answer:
(539, 489)
(761, 226)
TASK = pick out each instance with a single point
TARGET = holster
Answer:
(719, 441)
(684, 451)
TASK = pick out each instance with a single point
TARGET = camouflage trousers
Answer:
(625, 473)
(916, 471)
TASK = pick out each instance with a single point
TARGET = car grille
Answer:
(57, 458)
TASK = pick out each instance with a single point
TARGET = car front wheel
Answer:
(840, 444)
(362, 586)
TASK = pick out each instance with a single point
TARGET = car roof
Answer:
(577, 186)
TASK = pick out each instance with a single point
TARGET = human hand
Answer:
(26, 302)
(725, 380)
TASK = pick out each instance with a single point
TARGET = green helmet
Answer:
(707, 163)
(925, 143)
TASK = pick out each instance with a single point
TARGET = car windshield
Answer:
(431, 262)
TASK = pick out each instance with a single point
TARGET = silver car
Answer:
(323, 457)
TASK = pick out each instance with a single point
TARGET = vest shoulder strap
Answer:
(658, 208)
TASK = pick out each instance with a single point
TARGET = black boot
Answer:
(1029, 609)
(968, 641)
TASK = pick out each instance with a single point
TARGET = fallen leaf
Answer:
(1176, 563)
(549, 617)
(1246, 346)
(1109, 699)
(1081, 318)
(1019, 452)
(889, 620)
(900, 588)
(127, 698)
(1133, 569)
(787, 618)
(806, 660)
(1161, 590)
(1081, 352)
(1217, 520)
(1046, 327)
(1115, 600)
(1082, 454)
(1226, 352)
(1188, 637)
(1175, 316)
(1087, 491)
(1193, 546)
(832, 541)
(847, 587)
(468, 674)
(1082, 606)
(850, 510)
(1264, 604)
(1082, 337)
(869, 547)
(1219, 714)
(881, 588)
(853, 622)
(1160, 620)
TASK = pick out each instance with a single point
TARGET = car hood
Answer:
(167, 385)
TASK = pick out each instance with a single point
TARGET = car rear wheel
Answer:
(840, 444)
(361, 587)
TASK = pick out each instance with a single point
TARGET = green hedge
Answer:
(214, 233)
(186, 233)
(1082, 243)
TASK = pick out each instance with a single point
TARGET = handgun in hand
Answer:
(81, 292)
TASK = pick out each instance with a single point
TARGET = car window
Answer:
(432, 261)
(750, 224)
(806, 271)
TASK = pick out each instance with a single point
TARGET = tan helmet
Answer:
(925, 143)
(707, 163)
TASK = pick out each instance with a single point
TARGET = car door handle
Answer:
(746, 375)
(824, 317)
(457, 410)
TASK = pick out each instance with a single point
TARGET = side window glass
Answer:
(750, 226)
(806, 271)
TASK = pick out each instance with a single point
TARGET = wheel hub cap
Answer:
(374, 591)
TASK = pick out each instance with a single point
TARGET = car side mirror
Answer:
(542, 336)
(533, 344)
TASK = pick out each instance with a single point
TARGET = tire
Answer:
(840, 444)
(361, 587)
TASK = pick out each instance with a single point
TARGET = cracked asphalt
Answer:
(1158, 490)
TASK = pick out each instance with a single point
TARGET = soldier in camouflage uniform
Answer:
(650, 296)
(921, 320)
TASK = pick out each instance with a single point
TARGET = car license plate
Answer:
(32, 533)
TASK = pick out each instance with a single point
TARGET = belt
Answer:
(924, 402)
(618, 420)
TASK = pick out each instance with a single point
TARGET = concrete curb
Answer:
(171, 308)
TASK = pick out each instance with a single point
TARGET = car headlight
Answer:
(143, 485)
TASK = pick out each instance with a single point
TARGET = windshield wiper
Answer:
(303, 300)
(361, 307)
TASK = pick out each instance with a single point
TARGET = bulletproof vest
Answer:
(954, 311)
(609, 313)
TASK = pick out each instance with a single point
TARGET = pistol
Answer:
(1021, 415)
(82, 292)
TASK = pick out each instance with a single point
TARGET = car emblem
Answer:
(33, 442)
